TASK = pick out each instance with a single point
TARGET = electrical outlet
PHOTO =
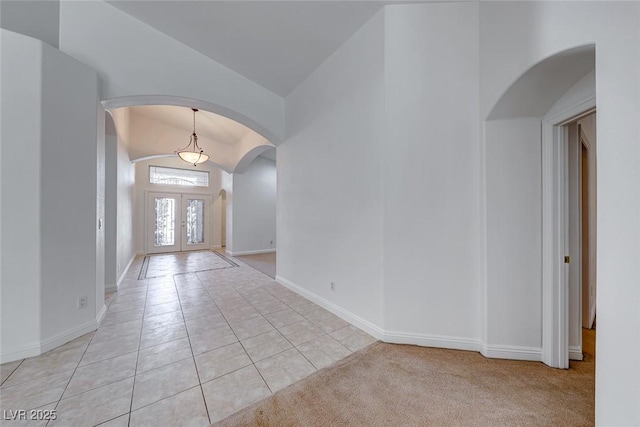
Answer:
(82, 303)
(333, 286)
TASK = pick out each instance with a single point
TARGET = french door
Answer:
(178, 222)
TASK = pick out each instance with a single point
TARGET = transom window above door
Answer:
(175, 176)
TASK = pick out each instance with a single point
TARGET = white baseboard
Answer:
(23, 352)
(111, 288)
(57, 340)
(261, 251)
(126, 269)
(373, 330)
(438, 341)
(101, 314)
(65, 337)
(512, 352)
(397, 337)
(575, 352)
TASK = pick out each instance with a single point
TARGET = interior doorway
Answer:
(178, 222)
(580, 216)
(223, 218)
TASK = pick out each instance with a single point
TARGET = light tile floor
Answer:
(184, 349)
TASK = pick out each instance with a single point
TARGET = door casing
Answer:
(180, 230)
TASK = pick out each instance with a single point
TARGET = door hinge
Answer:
(567, 259)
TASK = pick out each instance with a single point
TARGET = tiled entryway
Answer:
(188, 349)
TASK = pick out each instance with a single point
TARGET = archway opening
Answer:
(524, 141)
(147, 134)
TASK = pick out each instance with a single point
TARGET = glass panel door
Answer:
(195, 233)
(164, 220)
(178, 222)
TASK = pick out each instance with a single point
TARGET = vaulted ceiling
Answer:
(277, 44)
(160, 130)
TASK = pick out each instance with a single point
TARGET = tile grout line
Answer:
(283, 336)
(14, 369)
(289, 307)
(193, 357)
(236, 335)
(246, 286)
(74, 372)
(135, 371)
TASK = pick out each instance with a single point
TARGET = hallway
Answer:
(186, 348)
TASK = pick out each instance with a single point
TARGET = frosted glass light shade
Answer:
(193, 157)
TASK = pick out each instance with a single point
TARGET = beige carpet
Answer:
(265, 263)
(401, 385)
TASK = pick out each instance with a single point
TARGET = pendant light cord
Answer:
(194, 120)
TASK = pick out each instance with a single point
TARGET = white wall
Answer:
(111, 205)
(143, 187)
(37, 19)
(68, 204)
(514, 233)
(347, 150)
(100, 201)
(134, 59)
(121, 202)
(44, 273)
(126, 177)
(515, 36)
(254, 209)
(431, 167)
(330, 179)
(227, 186)
(20, 212)
(432, 146)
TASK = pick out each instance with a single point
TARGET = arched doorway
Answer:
(526, 182)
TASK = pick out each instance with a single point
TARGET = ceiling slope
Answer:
(277, 44)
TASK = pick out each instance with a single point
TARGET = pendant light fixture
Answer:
(192, 153)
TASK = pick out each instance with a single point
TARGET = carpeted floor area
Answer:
(402, 385)
(265, 263)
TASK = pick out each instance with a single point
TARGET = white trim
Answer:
(512, 352)
(373, 330)
(23, 352)
(398, 337)
(484, 237)
(43, 346)
(260, 251)
(65, 337)
(130, 101)
(437, 341)
(575, 352)
(111, 288)
(581, 98)
(126, 269)
(101, 314)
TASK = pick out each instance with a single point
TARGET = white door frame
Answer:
(208, 214)
(179, 227)
(150, 222)
(555, 295)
